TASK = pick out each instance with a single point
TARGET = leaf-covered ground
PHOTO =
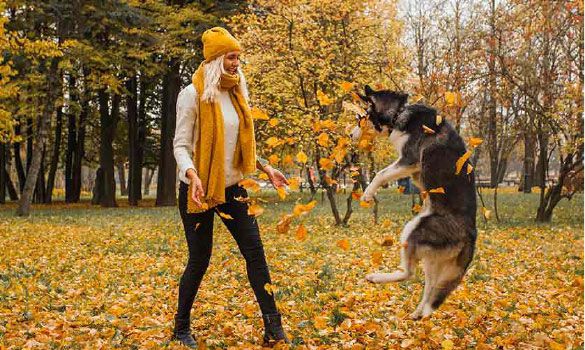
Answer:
(80, 277)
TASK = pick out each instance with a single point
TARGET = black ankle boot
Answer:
(273, 332)
(182, 333)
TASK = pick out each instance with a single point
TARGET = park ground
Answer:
(83, 277)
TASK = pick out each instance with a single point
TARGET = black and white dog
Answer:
(443, 234)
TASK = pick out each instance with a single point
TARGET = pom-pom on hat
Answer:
(218, 41)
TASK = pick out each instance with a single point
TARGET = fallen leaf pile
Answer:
(92, 278)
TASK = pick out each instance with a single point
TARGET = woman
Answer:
(214, 147)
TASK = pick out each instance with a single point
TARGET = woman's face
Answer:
(231, 62)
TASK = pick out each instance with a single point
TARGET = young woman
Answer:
(214, 147)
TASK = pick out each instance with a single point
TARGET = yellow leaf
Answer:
(273, 141)
(365, 204)
(281, 192)
(302, 157)
(437, 190)
(273, 122)
(324, 99)
(452, 98)
(323, 139)
(301, 209)
(258, 114)
(320, 322)
(224, 215)
(346, 86)
(263, 176)
(376, 258)
(255, 210)
(364, 144)
(326, 164)
(293, 183)
(461, 161)
(270, 288)
(387, 242)
(250, 184)
(274, 159)
(447, 344)
(301, 233)
(439, 119)
(343, 244)
(469, 168)
(428, 130)
(475, 141)
(386, 223)
(486, 213)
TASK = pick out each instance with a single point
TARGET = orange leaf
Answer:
(255, 210)
(273, 122)
(356, 195)
(387, 242)
(323, 139)
(365, 204)
(346, 86)
(224, 215)
(475, 141)
(461, 161)
(301, 209)
(326, 164)
(428, 130)
(250, 184)
(376, 258)
(281, 192)
(293, 183)
(469, 168)
(416, 208)
(284, 224)
(301, 233)
(274, 159)
(258, 114)
(302, 157)
(437, 190)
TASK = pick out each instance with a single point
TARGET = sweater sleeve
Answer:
(185, 129)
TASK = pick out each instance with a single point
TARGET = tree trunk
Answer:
(55, 157)
(167, 169)
(29, 142)
(108, 122)
(71, 142)
(39, 192)
(43, 129)
(145, 87)
(98, 187)
(148, 175)
(134, 175)
(3, 174)
(492, 139)
(528, 169)
(18, 160)
(12, 193)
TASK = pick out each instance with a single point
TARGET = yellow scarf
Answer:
(209, 148)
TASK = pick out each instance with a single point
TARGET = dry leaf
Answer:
(301, 233)
(224, 215)
(387, 242)
(428, 130)
(281, 192)
(258, 114)
(376, 258)
(255, 210)
(302, 157)
(343, 244)
(461, 161)
(437, 190)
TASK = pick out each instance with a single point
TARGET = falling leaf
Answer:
(326, 164)
(273, 141)
(294, 183)
(365, 204)
(416, 208)
(255, 210)
(324, 99)
(270, 288)
(283, 224)
(356, 195)
(273, 122)
(281, 192)
(365, 145)
(486, 213)
(263, 176)
(258, 114)
(302, 157)
(439, 119)
(387, 241)
(401, 189)
(224, 215)
(452, 98)
(346, 86)
(376, 258)
(301, 233)
(301, 209)
(469, 168)
(343, 244)
(461, 161)
(437, 190)
(323, 139)
(428, 130)
(274, 159)
(250, 184)
(475, 141)
(288, 160)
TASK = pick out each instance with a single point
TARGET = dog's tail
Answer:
(450, 280)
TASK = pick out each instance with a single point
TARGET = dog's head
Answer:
(383, 108)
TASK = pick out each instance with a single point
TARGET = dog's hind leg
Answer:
(448, 278)
(430, 270)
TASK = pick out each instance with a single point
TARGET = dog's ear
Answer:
(369, 91)
(404, 98)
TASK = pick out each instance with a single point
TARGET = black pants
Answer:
(199, 233)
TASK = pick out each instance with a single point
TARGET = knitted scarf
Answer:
(209, 156)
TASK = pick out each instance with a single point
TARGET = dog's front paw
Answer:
(378, 277)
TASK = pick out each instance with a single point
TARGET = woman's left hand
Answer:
(276, 177)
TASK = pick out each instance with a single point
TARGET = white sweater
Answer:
(186, 133)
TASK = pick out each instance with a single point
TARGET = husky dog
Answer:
(443, 234)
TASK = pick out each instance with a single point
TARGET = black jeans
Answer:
(199, 233)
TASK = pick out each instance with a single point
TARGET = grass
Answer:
(77, 276)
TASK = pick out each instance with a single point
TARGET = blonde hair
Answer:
(212, 76)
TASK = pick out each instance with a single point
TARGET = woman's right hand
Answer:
(197, 192)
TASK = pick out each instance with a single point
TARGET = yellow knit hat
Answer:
(218, 41)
